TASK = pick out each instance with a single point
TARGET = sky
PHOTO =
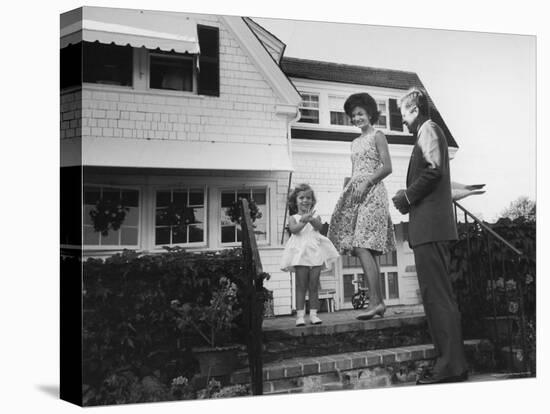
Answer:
(483, 84)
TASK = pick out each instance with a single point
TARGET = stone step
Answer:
(341, 332)
(358, 370)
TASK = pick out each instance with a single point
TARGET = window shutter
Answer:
(209, 61)
(396, 122)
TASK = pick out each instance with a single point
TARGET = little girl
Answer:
(306, 252)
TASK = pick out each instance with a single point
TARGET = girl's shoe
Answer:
(300, 318)
(379, 309)
(313, 318)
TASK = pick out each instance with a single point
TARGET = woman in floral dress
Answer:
(361, 223)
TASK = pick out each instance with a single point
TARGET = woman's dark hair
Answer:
(365, 101)
(292, 203)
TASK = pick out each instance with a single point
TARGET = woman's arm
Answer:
(386, 168)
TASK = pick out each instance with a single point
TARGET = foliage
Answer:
(235, 214)
(129, 328)
(213, 322)
(520, 208)
(108, 214)
(489, 278)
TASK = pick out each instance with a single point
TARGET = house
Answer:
(167, 118)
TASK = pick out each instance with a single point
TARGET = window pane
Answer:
(393, 287)
(171, 72)
(196, 234)
(260, 231)
(162, 235)
(198, 215)
(129, 236)
(111, 239)
(228, 198)
(110, 194)
(161, 217)
(163, 198)
(243, 194)
(309, 116)
(130, 198)
(349, 287)
(107, 64)
(91, 195)
(225, 220)
(87, 219)
(228, 234)
(179, 234)
(196, 198)
(180, 198)
(259, 196)
(383, 285)
(91, 237)
(132, 217)
(239, 234)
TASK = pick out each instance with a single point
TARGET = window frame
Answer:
(303, 107)
(93, 247)
(266, 214)
(174, 187)
(151, 54)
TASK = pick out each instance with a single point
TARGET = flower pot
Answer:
(217, 361)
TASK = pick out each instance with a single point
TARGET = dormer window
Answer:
(309, 108)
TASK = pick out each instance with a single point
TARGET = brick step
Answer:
(358, 370)
(341, 332)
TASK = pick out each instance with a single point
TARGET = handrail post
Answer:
(255, 301)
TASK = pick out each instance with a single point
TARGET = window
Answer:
(383, 109)
(128, 233)
(180, 216)
(231, 232)
(107, 64)
(172, 71)
(337, 114)
(309, 109)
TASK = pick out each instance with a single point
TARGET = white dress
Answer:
(307, 248)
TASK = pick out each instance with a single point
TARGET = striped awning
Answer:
(138, 28)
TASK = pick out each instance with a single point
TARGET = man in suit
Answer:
(428, 201)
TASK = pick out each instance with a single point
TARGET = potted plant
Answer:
(212, 323)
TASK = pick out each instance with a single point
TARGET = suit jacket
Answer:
(431, 215)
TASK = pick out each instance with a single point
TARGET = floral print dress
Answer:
(367, 223)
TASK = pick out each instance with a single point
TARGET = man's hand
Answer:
(400, 202)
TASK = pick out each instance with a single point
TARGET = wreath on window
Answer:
(108, 214)
(234, 211)
(178, 216)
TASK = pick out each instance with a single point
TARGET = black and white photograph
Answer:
(260, 208)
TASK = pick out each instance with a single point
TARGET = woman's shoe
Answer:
(377, 310)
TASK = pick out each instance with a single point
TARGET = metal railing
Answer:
(494, 281)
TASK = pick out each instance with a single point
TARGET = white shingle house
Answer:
(169, 111)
